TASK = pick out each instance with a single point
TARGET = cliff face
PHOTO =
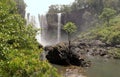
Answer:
(83, 19)
(74, 16)
(52, 20)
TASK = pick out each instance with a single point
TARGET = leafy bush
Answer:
(25, 63)
(115, 52)
(19, 53)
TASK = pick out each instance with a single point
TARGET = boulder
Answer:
(117, 46)
(59, 54)
(98, 43)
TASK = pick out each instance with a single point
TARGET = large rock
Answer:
(59, 54)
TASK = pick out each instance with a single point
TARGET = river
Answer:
(100, 67)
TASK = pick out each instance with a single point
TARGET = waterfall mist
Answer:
(48, 34)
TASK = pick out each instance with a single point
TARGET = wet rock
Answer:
(77, 49)
(86, 64)
(74, 72)
(117, 46)
(59, 54)
(103, 52)
(108, 56)
(98, 43)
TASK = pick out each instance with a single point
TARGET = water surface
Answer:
(100, 67)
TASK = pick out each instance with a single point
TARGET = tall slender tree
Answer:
(70, 28)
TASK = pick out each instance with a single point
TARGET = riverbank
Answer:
(105, 37)
(79, 49)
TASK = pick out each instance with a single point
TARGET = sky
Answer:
(41, 6)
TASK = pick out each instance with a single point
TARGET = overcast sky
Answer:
(41, 6)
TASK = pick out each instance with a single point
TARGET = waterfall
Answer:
(59, 28)
(43, 36)
(39, 36)
(44, 27)
(31, 19)
(27, 18)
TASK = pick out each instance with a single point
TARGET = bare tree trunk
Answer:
(69, 42)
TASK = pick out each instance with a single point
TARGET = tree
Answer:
(54, 9)
(19, 52)
(107, 14)
(79, 4)
(70, 28)
(65, 8)
(115, 4)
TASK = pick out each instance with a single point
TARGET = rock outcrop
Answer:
(78, 54)
(60, 54)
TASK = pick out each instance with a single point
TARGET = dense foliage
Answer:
(70, 27)
(19, 53)
(107, 14)
(95, 6)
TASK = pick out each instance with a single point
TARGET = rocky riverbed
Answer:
(60, 53)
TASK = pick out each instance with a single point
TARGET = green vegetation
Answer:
(19, 53)
(96, 6)
(107, 14)
(107, 34)
(70, 28)
(115, 52)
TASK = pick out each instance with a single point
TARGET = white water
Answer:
(31, 19)
(44, 27)
(36, 24)
(40, 22)
(59, 28)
